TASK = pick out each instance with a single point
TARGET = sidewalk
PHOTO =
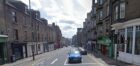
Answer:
(111, 61)
(29, 61)
(26, 61)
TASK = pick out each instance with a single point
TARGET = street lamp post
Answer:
(33, 47)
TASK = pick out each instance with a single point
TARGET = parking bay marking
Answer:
(65, 63)
(54, 61)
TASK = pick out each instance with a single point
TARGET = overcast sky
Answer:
(68, 14)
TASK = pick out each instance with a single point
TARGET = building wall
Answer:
(124, 55)
(40, 47)
(30, 32)
(33, 31)
(2, 24)
(131, 19)
(132, 9)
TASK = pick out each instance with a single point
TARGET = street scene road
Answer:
(61, 32)
(60, 59)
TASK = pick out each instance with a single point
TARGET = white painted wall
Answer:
(136, 59)
(51, 47)
(123, 56)
(41, 47)
(24, 52)
(129, 58)
(29, 48)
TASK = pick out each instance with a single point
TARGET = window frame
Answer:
(137, 45)
(116, 12)
(107, 10)
(14, 16)
(122, 10)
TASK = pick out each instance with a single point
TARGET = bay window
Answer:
(129, 39)
(121, 40)
(116, 13)
(101, 14)
(101, 2)
(122, 9)
(107, 10)
(137, 41)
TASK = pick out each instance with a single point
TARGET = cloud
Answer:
(67, 22)
(67, 28)
(68, 14)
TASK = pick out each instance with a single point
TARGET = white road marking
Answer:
(54, 61)
(89, 63)
(82, 64)
(65, 63)
(50, 56)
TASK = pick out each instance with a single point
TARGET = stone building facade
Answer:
(125, 23)
(23, 34)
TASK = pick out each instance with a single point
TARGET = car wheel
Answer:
(80, 61)
(69, 61)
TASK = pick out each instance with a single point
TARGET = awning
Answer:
(3, 38)
(104, 40)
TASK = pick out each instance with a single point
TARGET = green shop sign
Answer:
(3, 38)
(104, 41)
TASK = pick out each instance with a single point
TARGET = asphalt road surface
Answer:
(59, 58)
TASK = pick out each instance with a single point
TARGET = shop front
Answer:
(45, 45)
(19, 51)
(128, 41)
(105, 46)
(3, 50)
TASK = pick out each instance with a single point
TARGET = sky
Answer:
(67, 14)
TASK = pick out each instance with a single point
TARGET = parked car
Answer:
(74, 56)
(82, 51)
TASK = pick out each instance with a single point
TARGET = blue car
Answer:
(74, 56)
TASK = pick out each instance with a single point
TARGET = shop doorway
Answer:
(1, 54)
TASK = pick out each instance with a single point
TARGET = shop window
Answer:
(121, 40)
(137, 41)
(129, 39)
